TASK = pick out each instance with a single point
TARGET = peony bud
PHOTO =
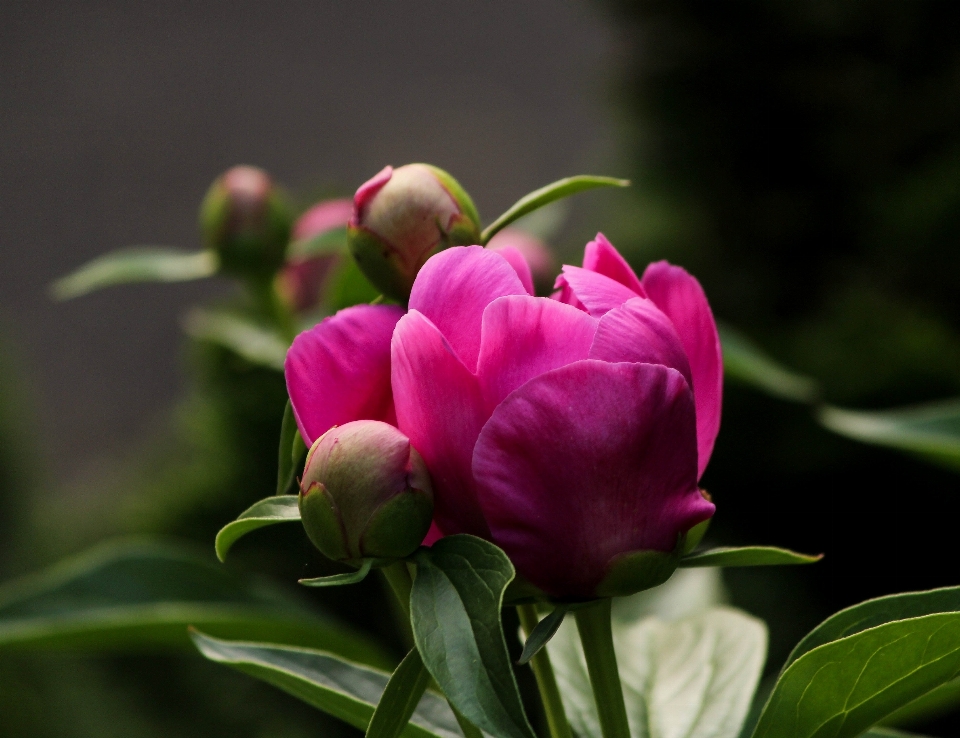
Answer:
(403, 216)
(365, 493)
(246, 221)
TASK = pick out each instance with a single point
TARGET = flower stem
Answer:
(546, 681)
(596, 636)
(398, 577)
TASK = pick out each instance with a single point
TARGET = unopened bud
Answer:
(365, 493)
(246, 221)
(401, 217)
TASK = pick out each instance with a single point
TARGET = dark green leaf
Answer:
(400, 698)
(931, 430)
(746, 362)
(876, 612)
(136, 264)
(343, 689)
(545, 195)
(138, 595)
(455, 612)
(880, 732)
(257, 343)
(542, 633)
(843, 688)
(336, 580)
(747, 556)
(272, 510)
(934, 704)
(292, 452)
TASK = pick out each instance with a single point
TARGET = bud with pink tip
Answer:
(245, 219)
(401, 217)
(365, 494)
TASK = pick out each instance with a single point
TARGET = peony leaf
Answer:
(455, 613)
(136, 264)
(257, 343)
(400, 697)
(689, 678)
(272, 510)
(292, 451)
(545, 195)
(341, 688)
(747, 556)
(931, 430)
(542, 633)
(130, 596)
(746, 362)
(336, 580)
(844, 687)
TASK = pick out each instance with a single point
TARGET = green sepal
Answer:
(693, 536)
(379, 263)
(748, 556)
(337, 580)
(270, 511)
(397, 527)
(463, 199)
(291, 453)
(323, 524)
(542, 633)
(636, 571)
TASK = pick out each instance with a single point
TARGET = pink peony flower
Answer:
(571, 432)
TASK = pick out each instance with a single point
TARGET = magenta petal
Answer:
(524, 337)
(519, 264)
(598, 294)
(455, 286)
(587, 462)
(680, 296)
(339, 370)
(600, 256)
(441, 410)
(638, 332)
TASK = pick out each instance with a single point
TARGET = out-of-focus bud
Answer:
(365, 493)
(309, 261)
(537, 255)
(401, 217)
(245, 219)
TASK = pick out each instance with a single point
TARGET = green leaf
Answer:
(745, 361)
(542, 633)
(292, 451)
(328, 243)
(347, 286)
(545, 195)
(136, 264)
(694, 676)
(881, 732)
(455, 612)
(934, 704)
(844, 687)
(931, 430)
(132, 595)
(878, 611)
(336, 580)
(400, 698)
(747, 556)
(257, 343)
(343, 689)
(272, 510)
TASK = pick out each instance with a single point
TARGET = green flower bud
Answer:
(245, 219)
(365, 493)
(401, 217)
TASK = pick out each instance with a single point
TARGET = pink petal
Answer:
(680, 296)
(455, 286)
(433, 535)
(638, 332)
(367, 190)
(524, 337)
(519, 264)
(441, 410)
(587, 462)
(339, 370)
(598, 294)
(600, 256)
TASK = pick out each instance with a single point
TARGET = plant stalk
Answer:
(546, 680)
(596, 635)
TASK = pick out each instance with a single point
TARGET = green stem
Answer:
(546, 681)
(400, 581)
(596, 636)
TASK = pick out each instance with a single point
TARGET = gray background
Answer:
(115, 117)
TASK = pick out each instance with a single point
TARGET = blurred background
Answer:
(802, 159)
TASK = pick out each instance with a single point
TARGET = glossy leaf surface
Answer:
(257, 343)
(747, 556)
(545, 195)
(270, 511)
(136, 264)
(138, 595)
(455, 612)
(346, 690)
